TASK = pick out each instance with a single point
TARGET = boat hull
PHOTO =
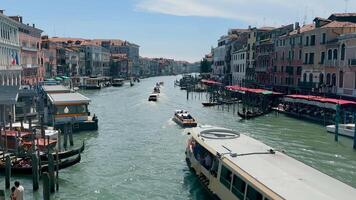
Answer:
(342, 131)
(184, 124)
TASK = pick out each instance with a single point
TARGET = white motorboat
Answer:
(347, 130)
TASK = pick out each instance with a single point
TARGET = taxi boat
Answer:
(234, 166)
(184, 119)
(153, 97)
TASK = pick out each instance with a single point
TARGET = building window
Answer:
(299, 71)
(307, 41)
(311, 58)
(282, 69)
(322, 57)
(310, 77)
(330, 54)
(328, 79)
(323, 38)
(300, 54)
(312, 40)
(335, 54)
(343, 52)
(333, 80)
(306, 58)
(341, 79)
(321, 78)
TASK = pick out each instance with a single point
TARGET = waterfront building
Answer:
(289, 59)
(10, 69)
(321, 54)
(251, 53)
(347, 65)
(239, 60)
(30, 52)
(116, 46)
(120, 65)
(264, 55)
(8, 101)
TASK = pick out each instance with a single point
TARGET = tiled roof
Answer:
(344, 14)
(337, 24)
(303, 29)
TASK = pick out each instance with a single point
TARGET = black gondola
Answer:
(249, 115)
(208, 104)
(44, 167)
(65, 154)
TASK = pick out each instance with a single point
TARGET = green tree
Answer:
(205, 66)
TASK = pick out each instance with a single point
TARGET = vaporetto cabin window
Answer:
(238, 187)
(253, 194)
(225, 177)
(78, 109)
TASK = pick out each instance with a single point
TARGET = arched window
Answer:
(328, 79)
(333, 80)
(304, 77)
(321, 78)
(330, 54)
(335, 54)
(341, 79)
(311, 77)
(343, 52)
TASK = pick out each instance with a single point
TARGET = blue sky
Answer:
(179, 29)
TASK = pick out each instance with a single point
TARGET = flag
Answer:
(13, 60)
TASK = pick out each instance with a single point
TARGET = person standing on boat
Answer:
(19, 192)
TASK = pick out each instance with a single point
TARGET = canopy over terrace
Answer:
(210, 82)
(240, 89)
(319, 101)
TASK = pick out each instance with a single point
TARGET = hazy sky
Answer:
(180, 29)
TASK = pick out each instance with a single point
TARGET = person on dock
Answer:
(19, 192)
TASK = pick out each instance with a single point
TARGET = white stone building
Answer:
(238, 66)
(10, 69)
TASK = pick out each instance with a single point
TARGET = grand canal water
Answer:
(138, 152)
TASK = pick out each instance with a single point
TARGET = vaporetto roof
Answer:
(280, 173)
(68, 98)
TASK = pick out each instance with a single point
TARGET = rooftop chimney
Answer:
(33, 25)
(16, 18)
(296, 26)
(2, 11)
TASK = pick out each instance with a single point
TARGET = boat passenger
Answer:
(207, 161)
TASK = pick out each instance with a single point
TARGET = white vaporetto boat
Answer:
(347, 130)
(234, 166)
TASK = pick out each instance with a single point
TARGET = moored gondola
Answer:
(208, 104)
(25, 167)
(65, 154)
(249, 115)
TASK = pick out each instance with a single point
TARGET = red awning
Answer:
(210, 82)
(322, 99)
(237, 88)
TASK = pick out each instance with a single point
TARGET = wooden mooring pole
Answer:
(35, 171)
(51, 172)
(7, 171)
(354, 117)
(46, 188)
(337, 116)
